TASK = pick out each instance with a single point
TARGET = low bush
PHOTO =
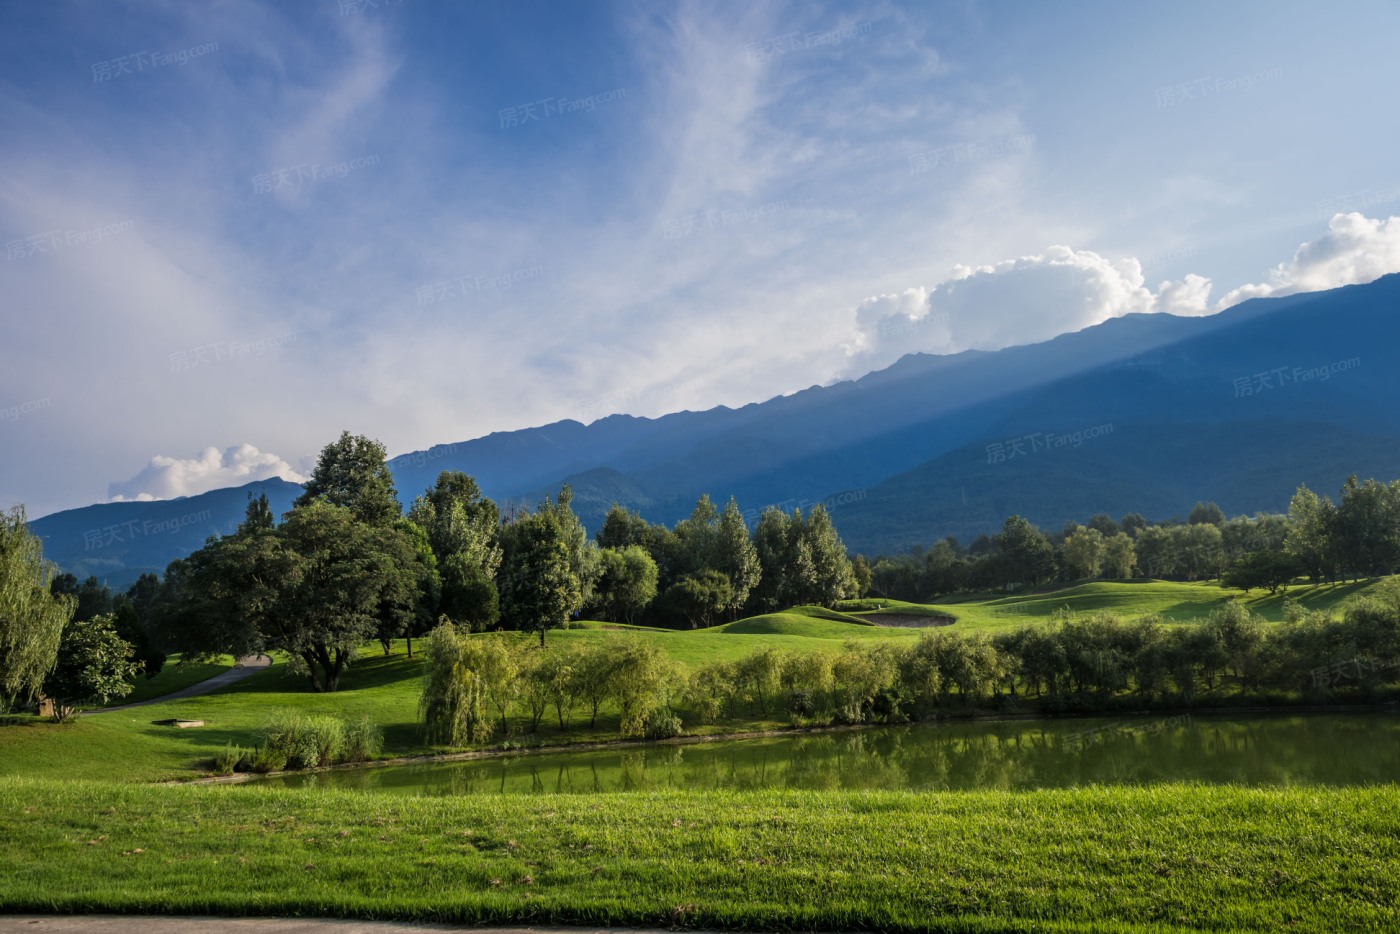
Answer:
(662, 723)
(230, 759)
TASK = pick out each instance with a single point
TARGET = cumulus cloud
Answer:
(1016, 301)
(170, 477)
(1356, 249)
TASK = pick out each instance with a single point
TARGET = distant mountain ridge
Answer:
(1237, 407)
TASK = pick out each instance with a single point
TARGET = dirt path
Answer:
(247, 666)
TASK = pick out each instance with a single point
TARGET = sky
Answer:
(235, 229)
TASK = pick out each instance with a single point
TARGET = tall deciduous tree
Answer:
(1311, 520)
(32, 618)
(733, 554)
(627, 584)
(353, 472)
(1024, 553)
(540, 589)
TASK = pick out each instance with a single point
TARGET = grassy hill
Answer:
(128, 745)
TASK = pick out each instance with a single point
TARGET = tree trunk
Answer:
(409, 640)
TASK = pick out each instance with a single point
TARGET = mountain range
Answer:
(1143, 413)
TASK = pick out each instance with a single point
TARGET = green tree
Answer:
(1311, 520)
(640, 672)
(94, 664)
(1206, 514)
(1024, 553)
(540, 589)
(833, 578)
(732, 553)
(453, 704)
(353, 472)
(32, 617)
(860, 569)
(627, 585)
(1266, 569)
(462, 528)
(699, 598)
(1119, 556)
(1084, 553)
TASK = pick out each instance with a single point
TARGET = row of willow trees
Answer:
(1357, 536)
(478, 687)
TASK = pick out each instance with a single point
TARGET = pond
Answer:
(1316, 749)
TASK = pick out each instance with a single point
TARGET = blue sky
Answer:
(233, 229)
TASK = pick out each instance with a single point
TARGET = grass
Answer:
(174, 676)
(1179, 602)
(130, 746)
(1166, 858)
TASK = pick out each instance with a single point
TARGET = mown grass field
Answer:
(172, 677)
(129, 746)
(1159, 859)
(1174, 601)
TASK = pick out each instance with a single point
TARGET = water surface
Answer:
(1315, 749)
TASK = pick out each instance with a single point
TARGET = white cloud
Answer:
(1356, 249)
(1016, 301)
(170, 477)
(1189, 296)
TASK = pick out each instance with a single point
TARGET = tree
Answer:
(94, 664)
(1206, 514)
(344, 574)
(453, 704)
(860, 569)
(462, 528)
(32, 617)
(627, 584)
(1084, 553)
(1120, 556)
(1133, 523)
(144, 650)
(640, 671)
(622, 527)
(540, 590)
(1105, 525)
(732, 553)
(1199, 550)
(1025, 553)
(353, 472)
(1309, 537)
(92, 596)
(699, 598)
(773, 545)
(833, 578)
(1267, 569)
(317, 587)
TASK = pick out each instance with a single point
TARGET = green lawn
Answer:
(1159, 859)
(1174, 601)
(130, 746)
(174, 676)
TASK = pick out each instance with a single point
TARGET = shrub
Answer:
(363, 741)
(305, 741)
(264, 759)
(230, 759)
(662, 723)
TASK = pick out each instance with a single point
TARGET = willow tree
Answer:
(31, 618)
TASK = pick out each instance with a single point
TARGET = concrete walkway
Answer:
(247, 666)
(137, 924)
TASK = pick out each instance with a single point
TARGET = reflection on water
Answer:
(1340, 749)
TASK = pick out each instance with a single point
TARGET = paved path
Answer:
(136, 924)
(247, 666)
